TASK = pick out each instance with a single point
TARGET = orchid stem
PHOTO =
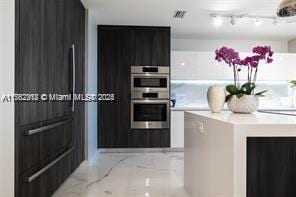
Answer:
(234, 74)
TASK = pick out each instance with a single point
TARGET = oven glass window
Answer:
(150, 82)
(150, 112)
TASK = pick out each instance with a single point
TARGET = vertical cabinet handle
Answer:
(73, 77)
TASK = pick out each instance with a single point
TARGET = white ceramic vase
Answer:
(216, 98)
(247, 104)
(294, 97)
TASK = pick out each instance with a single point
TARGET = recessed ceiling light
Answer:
(218, 21)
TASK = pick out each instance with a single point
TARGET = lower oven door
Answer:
(150, 114)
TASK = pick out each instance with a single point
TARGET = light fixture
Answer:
(275, 21)
(287, 8)
(218, 21)
(232, 20)
(147, 182)
(257, 22)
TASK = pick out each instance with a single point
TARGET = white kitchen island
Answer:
(215, 158)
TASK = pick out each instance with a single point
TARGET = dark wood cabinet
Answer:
(120, 47)
(152, 138)
(47, 183)
(114, 78)
(150, 46)
(44, 49)
(271, 165)
(79, 113)
(44, 146)
(45, 33)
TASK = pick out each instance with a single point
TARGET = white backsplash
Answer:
(193, 93)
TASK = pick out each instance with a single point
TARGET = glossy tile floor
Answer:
(128, 175)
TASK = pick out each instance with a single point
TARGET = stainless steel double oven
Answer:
(150, 97)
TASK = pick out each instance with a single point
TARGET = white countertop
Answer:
(189, 109)
(256, 118)
(186, 108)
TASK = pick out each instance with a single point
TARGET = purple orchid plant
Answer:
(231, 57)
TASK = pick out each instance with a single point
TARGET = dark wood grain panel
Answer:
(150, 47)
(48, 182)
(138, 139)
(149, 138)
(113, 78)
(40, 58)
(159, 138)
(119, 47)
(45, 32)
(42, 146)
(79, 121)
(271, 166)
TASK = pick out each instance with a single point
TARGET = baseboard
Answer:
(139, 150)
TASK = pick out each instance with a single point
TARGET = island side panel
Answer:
(271, 166)
(208, 157)
(240, 160)
(241, 133)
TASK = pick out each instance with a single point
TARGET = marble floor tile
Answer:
(128, 175)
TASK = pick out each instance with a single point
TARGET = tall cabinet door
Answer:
(120, 47)
(48, 133)
(41, 56)
(113, 78)
(79, 108)
(66, 23)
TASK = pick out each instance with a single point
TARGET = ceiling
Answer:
(197, 22)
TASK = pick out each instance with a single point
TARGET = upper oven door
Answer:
(149, 82)
(150, 114)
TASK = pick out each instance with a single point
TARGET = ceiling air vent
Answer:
(179, 14)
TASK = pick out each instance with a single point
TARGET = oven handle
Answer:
(151, 101)
(151, 75)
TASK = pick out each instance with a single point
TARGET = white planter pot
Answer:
(216, 98)
(246, 104)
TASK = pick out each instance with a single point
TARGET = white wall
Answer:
(7, 87)
(91, 85)
(212, 45)
(189, 65)
(292, 46)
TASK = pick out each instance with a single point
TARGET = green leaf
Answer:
(232, 89)
(261, 93)
(242, 92)
(240, 95)
(293, 83)
(228, 97)
(248, 88)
